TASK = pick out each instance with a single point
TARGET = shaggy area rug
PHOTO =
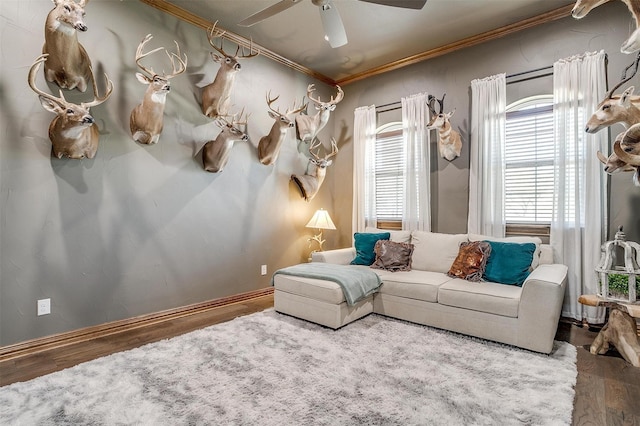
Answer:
(271, 369)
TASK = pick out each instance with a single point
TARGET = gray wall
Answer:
(452, 73)
(137, 229)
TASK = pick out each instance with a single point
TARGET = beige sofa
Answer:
(524, 316)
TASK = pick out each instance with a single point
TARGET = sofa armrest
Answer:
(541, 305)
(339, 256)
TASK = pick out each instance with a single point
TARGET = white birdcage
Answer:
(618, 281)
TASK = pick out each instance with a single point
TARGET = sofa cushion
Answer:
(486, 297)
(364, 243)
(434, 251)
(509, 263)
(535, 240)
(471, 260)
(392, 256)
(326, 291)
(419, 285)
(397, 236)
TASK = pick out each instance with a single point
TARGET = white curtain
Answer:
(580, 195)
(364, 136)
(416, 214)
(486, 169)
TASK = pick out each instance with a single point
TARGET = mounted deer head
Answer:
(68, 65)
(613, 164)
(217, 95)
(308, 127)
(309, 184)
(269, 145)
(215, 153)
(146, 119)
(583, 7)
(628, 150)
(73, 131)
(449, 142)
(623, 108)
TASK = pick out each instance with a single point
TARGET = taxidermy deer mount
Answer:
(627, 149)
(309, 184)
(307, 127)
(73, 131)
(215, 153)
(217, 95)
(269, 145)
(146, 119)
(583, 7)
(449, 142)
(68, 65)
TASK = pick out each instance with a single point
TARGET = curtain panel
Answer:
(579, 223)
(364, 139)
(486, 168)
(416, 209)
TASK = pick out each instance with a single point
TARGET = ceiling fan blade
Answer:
(332, 24)
(406, 4)
(268, 12)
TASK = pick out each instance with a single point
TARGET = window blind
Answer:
(528, 159)
(389, 175)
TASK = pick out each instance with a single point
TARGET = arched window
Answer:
(528, 156)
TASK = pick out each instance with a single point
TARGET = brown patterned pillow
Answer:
(471, 261)
(392, 256)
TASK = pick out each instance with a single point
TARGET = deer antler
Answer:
(270, 101)
(211, 37)
(97, 100)
(32, 81)
(244, 55)
(296, 110)
(316, 144)
(430, 102)
(334, 149)
(624, 77)
(182, 63)
(339, 96)
(140, 55)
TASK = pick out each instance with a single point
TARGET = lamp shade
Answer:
(321, 220)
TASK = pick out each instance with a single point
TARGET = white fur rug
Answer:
(271, 369)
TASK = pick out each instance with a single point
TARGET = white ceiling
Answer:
(377, 34)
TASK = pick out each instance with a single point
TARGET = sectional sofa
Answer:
(525, 316)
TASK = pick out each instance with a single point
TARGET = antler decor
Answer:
(146, 120)
(73, 132)
(449, 142)
(583, 7)
(309, 184)
(217, 95)
(269, 145)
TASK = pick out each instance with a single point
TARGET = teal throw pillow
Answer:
(509, 263)
(364, 243)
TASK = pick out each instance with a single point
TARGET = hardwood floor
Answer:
(607, 389)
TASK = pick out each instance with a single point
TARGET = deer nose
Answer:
(245, 137)
(88, 120)
(80, 27)
(237, 66)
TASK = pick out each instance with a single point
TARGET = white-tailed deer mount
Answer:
(269, 145)
(215, 153)
(68, 65)
(583, 7)
(309, 184)
(73, 131)
(308, 126)
(146, 119)
(449, 142)
(627, 149)
(216, 96)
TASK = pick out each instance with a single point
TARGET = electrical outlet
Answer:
(44, 307)
(263, 269)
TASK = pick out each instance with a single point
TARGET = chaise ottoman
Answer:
(317, 300)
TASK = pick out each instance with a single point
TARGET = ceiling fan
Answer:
(331, 21)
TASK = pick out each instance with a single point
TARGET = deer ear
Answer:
(50, 106)
(449, 115)
(272, 115)
(143, 78)
(625, 98)
(216, 58)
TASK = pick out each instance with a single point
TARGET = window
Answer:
(389, 176)
(528, 157)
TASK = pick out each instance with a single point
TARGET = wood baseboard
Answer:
(31, 347)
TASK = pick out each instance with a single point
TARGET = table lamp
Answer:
(320, 221)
